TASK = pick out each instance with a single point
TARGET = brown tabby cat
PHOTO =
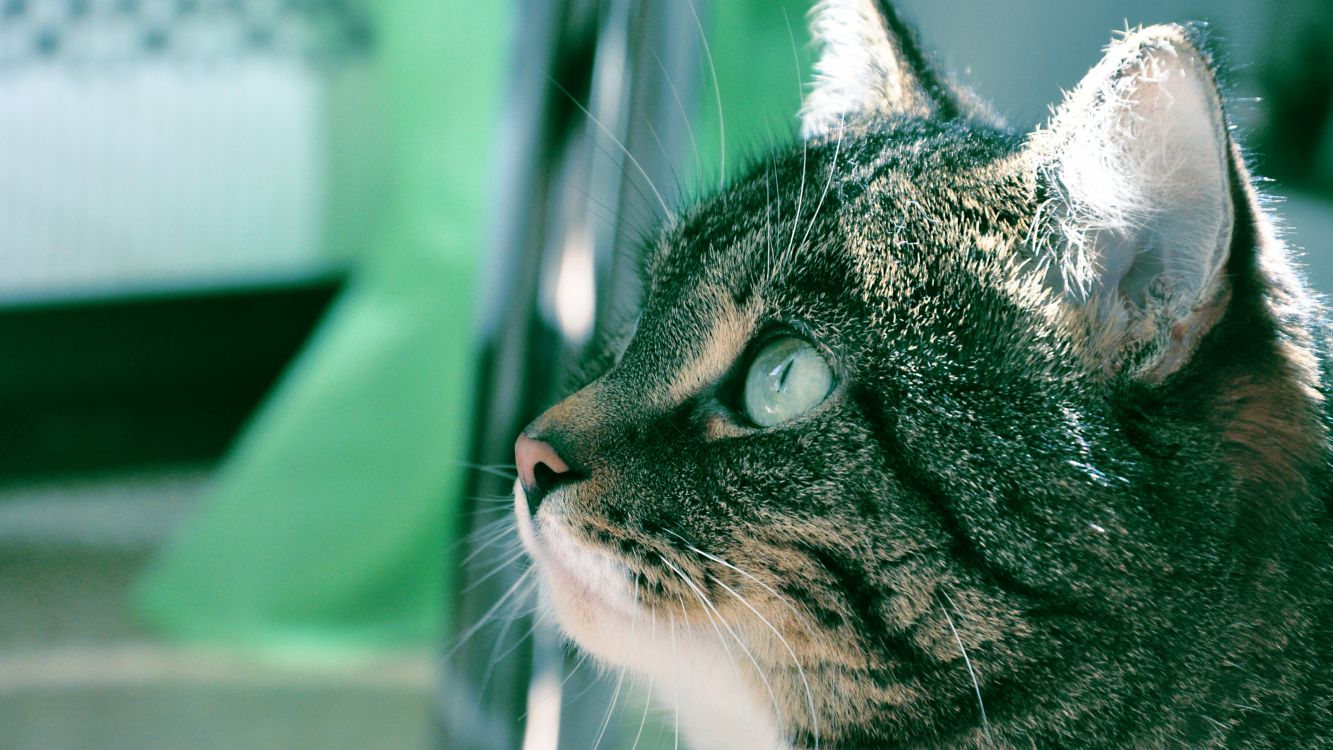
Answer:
(932, 434)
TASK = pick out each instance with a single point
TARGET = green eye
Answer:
(786, 379)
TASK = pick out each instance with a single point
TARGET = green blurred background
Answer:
(240, 252)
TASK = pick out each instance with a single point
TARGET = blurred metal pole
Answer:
(597, 119)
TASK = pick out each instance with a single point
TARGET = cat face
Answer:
(681, 511)
(890, 434)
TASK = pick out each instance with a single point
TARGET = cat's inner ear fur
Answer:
(870, 66)
(1136, 216)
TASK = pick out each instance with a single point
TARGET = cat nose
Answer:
(540, 469)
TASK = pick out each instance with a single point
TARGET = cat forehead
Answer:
(854, 211)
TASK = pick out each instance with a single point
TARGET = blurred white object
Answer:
(149, 146)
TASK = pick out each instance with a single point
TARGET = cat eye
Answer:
(787, 378)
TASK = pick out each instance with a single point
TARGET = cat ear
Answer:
(870, 66)
(1133, 172)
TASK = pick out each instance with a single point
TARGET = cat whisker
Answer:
(485, 539)
(809, 694)
(731, 659)
(800, 94)
(684, 116)
(667, 157)
(666, 209)
(490, 534)
(985, 724)
(648, 694)
(610, 710)
(675, 678)
(709, 607)
(769, 257)
(833, 165)
(536, 623)
(795, 56)
(717, 96)
(796, 216)
(801, 617)
(504, 471)
(723, 641)
(507, 497)
(489, 513)
(643, 719)
(605, 212)
(505, 500)
(501, 555)
(496, 656)
(613, 215)
(504, 565)
(493, 524)
(768, 216)
(523, 716)
(487, 531)
(485, 619)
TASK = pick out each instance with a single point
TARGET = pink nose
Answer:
(539, 468)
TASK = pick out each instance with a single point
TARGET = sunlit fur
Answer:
(1018, 520)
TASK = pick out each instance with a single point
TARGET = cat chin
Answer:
(589, 592)
(593, 599)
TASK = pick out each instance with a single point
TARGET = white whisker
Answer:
(648, 694)
(561, 691)
(493, 470)
(496, 657)
(504, 565)
(675, 677)
(486, 535)
(520, 640)
(666, 209)
(768, 218)
(708, 606)
(842, 132)
(684, 116)
(985, 724)
(615, 697)
(780, 597)
(485, 618)
(727, 649)
(606, 721)
(717, 95)
(489, 512)
(795, 56)
(809, 694)
(800, 200)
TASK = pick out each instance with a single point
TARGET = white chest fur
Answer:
(711, 691)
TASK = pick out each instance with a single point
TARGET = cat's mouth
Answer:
(590, 591)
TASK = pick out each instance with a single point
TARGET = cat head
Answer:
(919, 410)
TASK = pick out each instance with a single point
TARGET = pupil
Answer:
(784, 370)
